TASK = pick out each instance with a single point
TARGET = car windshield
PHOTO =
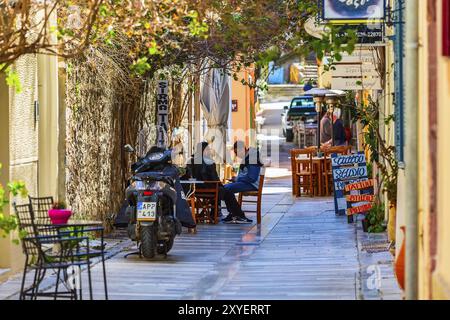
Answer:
(302, 103)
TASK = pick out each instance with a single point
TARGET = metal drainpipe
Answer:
(411, 148)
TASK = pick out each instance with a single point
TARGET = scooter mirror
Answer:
(128, 148)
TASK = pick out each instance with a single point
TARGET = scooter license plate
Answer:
(146, 211)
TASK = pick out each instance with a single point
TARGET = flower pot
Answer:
(365, 225)
(59, 216)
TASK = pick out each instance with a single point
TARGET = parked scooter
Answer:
(152, 200)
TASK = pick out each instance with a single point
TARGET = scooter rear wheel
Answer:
(148, 242)
(169, 245)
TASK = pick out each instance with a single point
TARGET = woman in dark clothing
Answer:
(340, 138)
(202, 168)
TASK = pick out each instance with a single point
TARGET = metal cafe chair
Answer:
(40, 207)
(62, 260)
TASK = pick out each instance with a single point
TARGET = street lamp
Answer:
(320, 95)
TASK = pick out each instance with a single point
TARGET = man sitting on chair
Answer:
(202, 168)
(247, 179)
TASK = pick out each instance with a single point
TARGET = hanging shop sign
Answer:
(365, 34)
(347, 170)
(354, 70)
(353, 10)
(362, 83)
(162, 107)
(359, 55)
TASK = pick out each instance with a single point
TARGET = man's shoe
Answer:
(243, 220)
(228, 219)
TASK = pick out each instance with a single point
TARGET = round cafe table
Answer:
(80, 227)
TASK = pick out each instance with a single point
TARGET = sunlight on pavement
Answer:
(277, 173)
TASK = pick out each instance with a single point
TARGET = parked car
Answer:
(300, 107)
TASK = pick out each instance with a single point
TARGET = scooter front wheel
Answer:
(148, 242)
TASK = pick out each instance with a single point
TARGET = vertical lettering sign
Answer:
(346, 169)
(162, 101)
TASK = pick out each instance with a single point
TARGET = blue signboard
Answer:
(346, 170)
(353, 9)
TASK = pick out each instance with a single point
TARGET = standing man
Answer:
(247, 179)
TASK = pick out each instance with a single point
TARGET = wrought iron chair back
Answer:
(40, 207)
(25, 219)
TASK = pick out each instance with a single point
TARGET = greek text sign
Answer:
(162, 101)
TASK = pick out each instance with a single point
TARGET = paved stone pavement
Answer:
(302, 251)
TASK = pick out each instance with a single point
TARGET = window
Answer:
(446, 27)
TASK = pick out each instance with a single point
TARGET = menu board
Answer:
(347, 169)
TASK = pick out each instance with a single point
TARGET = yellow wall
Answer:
(241, 120)
(48, 125)
(435, 284)
(4, 160)
(441, 287)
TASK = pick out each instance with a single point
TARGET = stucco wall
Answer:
(441, 289)
(4, 159)
(244, 119)
(23, 135)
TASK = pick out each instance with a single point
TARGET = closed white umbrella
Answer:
(215, 102)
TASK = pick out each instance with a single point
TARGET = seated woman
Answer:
(202, 168)
(247, 179)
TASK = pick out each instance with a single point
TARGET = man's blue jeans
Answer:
(236, 187)
(230, 200)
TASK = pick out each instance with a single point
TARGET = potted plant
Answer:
(59, 214)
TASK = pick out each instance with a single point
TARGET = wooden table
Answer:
(190, 197)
